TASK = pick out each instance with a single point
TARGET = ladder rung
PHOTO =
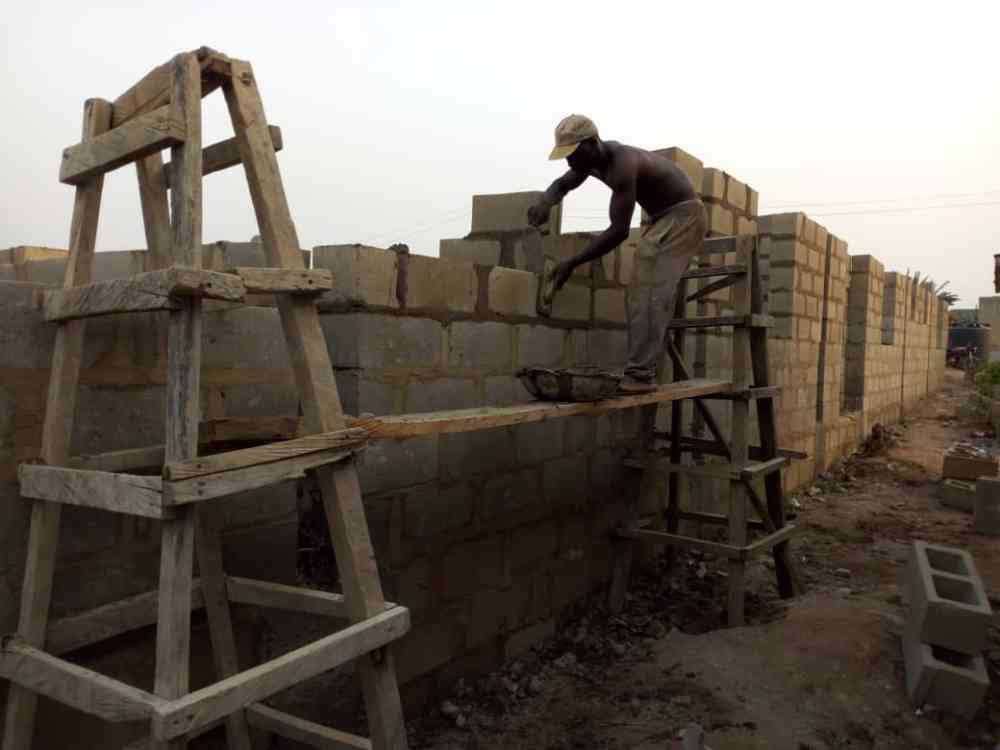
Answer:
(285, 280)
(119, 493)
(291, 598)
(186, 714)
(699, 273)
(750, 394)
(223, 155)
(73, 685)
(725, 550)
(754, 320)
(300, 730)
(146, 134)
(714, 448)
(715, 471)
(144, 292)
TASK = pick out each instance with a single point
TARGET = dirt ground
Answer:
(821, 672)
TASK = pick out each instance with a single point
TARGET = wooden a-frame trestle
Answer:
(750, 382)
(163, 111)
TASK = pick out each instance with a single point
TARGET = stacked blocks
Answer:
(946, 632)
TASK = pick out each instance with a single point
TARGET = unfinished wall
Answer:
(485, 536)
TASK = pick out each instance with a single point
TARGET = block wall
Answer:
(486, 535)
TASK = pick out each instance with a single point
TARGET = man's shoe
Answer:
(631, 387)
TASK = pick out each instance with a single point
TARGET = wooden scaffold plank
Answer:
(222, 155)
(307, 732)
(285, 280)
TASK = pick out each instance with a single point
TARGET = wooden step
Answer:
(143, 292)
(222, 155)
(72, 685)
(146, 134)
(299, 730)
(739, 269)
(285, 280)
(749, 321)
(119, 493)
(186, 714)
(718, 548)
(715, 470)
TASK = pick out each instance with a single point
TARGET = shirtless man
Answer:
(673, 234)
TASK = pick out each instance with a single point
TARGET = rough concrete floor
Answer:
(820, 673)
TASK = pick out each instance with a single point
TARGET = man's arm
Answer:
(539, 213)
(621, 210)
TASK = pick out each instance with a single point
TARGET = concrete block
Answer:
(948, 605)
(950, 680)
(565, 246)
(375, 341)
(504, 212)
(521, 641)
(690, 165)
(432, 509)
(362, 275)
(472, 565)
(481, 346)
(752, 197)
(957, 494)
(609, 305)
(440, 394)
(736, 193)
(607, 348)
(512, 292)
(720, 220)
(435, 284)
(480, 252)
(969, 468)
(987, 507)
(469, 454)
(510, 492)
(566, 479)
(360, 394)
(505, 390)
(745, 226)
(391, 464)
(789, 224)
(713, 184)
(572, 302)
(541, 346)
(538, 442)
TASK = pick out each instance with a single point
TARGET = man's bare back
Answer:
(659, 183)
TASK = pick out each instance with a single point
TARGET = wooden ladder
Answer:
(744, 463)
(164, 110)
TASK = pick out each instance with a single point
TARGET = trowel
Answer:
(546, 287)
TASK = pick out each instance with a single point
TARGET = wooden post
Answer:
(56, 433)
(739, 447)
(320, 404)
(676, 422)
(155, 209)
(173, 632)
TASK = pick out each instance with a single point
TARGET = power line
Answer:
(790, 204)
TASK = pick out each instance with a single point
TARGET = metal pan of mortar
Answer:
(569, 384)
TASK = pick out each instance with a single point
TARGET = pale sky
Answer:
(877, 118)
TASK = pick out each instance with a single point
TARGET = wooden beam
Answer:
(100, 624)
(748, 394)
(153, 90)
(130, 459)
(309, 733)
(715, 286)
(263, 454)
(715, 518)
(708, 271)
(74, 686)
(771, 540)
(753, 320)
(759, 469)
(145, 135)
(146, 743)
(152, 290)
(249, 429)
(292, 598)
(713, 448)
(223, 155)
(487, 417)
(120, 493)
(677, 540)
(229, 482)
(285, 280)
(188, 712)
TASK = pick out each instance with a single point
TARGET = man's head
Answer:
(578, 142)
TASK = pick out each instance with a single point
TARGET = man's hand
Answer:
(562, 273)
(538, 214)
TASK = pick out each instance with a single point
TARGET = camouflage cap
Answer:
(570, 133)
